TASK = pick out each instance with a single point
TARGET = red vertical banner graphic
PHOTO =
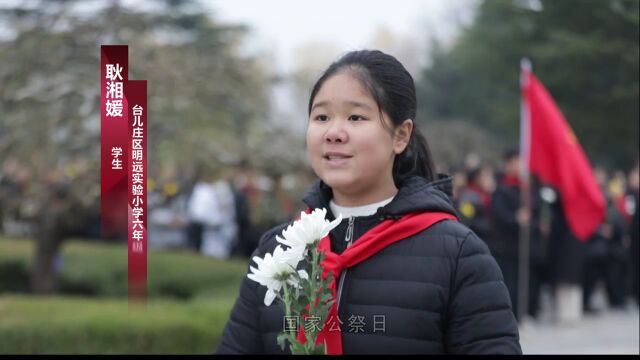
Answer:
(136, 94)
(114, 69)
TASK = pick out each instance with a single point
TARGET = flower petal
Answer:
(269, 297)
(257, 279)
(258, 260)
(303, 274)
(293, 256)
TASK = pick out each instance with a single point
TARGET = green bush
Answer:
(100, 269)
(71, 325)
(14, 275)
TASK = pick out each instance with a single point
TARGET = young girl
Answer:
(436, 291)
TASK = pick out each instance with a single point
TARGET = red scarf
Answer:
(374, 240)
(621, 206)
(511, 180)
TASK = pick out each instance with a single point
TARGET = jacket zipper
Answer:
(349, 239)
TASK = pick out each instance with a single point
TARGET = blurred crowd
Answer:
(490, 202)
(222, 213)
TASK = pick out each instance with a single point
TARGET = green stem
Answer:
(287, 311)
(287, 307)
(312, 284)
(311, 336)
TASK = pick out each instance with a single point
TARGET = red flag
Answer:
(556, 157)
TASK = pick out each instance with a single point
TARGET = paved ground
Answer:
(607, 332)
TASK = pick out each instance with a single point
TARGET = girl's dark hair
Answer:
(393, 90)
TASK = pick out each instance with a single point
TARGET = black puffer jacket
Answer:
(439, 291)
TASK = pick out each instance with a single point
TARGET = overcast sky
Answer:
(281, 26)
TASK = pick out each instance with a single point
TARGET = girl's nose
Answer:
(336, 133)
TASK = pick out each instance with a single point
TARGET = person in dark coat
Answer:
(632, 204)
(245, 244)
(604, 255)
(509, 215)
(566, 261)
(474, 202)
(438, 291)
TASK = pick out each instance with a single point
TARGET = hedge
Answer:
(74, 325)
(100, 269)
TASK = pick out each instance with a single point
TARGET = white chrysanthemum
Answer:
(274, 270)
(308, 230)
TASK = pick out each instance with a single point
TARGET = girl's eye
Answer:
(356, 118)
(322, 118)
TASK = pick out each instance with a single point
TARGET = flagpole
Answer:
(525, 196)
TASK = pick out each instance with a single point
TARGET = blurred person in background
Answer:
(566, 265)
(631, 206)
(474, 202)
(216, 211)
(459, 182)
(509, 215)
(273, 206)
(167, 215)
(618, 217)
(603, 262)
(220, 235)
(247, 239)
(199, 204)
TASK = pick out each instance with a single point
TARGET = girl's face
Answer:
(347, 145)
